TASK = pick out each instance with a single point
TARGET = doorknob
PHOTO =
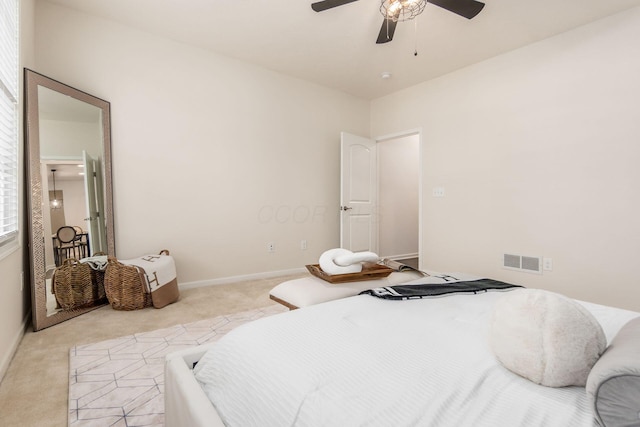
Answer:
(345, 208)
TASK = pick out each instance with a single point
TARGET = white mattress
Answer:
(363, 361)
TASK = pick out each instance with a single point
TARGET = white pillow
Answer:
(545, 337)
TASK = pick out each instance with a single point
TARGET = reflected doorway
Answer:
(399, 197)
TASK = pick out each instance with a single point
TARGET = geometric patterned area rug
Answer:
(120, 382)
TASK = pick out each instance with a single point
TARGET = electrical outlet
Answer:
(547, 264)
(303, 245)
(271, 247)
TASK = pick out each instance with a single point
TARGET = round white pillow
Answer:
(545, 337)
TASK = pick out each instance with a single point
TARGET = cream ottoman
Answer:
(311, 290)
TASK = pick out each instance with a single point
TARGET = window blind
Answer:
(8, 120)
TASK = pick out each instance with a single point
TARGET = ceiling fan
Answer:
(403, 10)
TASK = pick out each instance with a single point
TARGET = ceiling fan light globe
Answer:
(394, 8)
(402, 10)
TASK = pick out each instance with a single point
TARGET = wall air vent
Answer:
(528, 264)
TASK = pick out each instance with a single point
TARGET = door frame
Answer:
(397, 135)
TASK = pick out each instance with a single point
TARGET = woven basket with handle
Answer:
(125, 286)
(72, 285)
(97, 279)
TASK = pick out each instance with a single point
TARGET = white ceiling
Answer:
(336, 48)
(65, 172)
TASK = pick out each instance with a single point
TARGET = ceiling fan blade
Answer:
(466, 8)
(328, 4)
(386, 31)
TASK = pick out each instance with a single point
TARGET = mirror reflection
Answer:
(68, 152)
(71, 158)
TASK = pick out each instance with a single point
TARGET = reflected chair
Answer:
(69, 244)
(83, 238)
(80, 235)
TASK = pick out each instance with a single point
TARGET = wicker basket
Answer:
(97, 281)
(73, 286)
(97, 285)
(125, 287)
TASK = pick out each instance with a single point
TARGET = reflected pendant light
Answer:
(55, 203)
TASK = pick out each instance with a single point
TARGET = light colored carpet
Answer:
(120, 382)
(35, 389)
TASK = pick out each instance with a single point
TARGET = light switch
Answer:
(438, 191)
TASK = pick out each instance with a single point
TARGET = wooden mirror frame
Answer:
(34, 197)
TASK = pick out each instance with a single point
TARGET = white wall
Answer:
(75, 202)
(66, 140)
(15, 299)
(212, 158)
(538, 152)
(398, 194)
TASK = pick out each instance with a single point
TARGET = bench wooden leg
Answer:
(286, 304)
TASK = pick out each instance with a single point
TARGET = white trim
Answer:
(396, 135)
(60, 159)
(10, 246)
(8, 356)
(242, 278)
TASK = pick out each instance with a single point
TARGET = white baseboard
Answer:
(242, 278)
(8, 356)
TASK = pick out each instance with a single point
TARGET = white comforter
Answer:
(363, 361)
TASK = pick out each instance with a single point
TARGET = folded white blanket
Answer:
(159, 269)
(96, 262)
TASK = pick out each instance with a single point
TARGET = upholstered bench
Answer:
(311, 290)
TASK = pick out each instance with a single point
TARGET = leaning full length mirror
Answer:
(69, 188)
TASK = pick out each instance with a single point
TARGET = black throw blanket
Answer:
(401, 292)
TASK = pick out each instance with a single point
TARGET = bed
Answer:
(366, 361)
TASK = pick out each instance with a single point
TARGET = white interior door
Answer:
(92, 208)
(99, 202)
(358, 194)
